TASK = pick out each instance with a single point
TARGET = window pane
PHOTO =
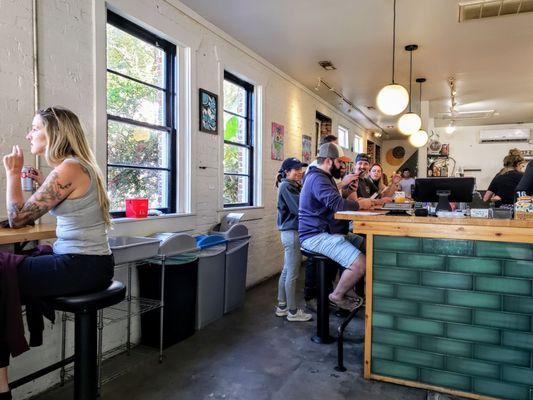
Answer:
(129, 99)
(134, 57)
(342, 134)
(128, 182)
(235, 189)
(236, 159)
(129, 144)
(234, 98)
(234, 128)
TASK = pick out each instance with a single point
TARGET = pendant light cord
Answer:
(410, 76)
(420, 99)
(393, 40)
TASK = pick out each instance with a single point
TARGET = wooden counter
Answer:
(37, 232)
(501, 230)
(449, 304)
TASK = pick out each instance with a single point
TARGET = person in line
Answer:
(502, 189)
(289, 187)
(525, 186)
(75, 193)
(407, 182)
(320, 232)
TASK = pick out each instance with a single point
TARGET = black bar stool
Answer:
(322, 304)
(85, 308)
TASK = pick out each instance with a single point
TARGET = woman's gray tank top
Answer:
(80, 224)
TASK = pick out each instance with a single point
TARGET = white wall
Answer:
(71, 49)
(470, 154)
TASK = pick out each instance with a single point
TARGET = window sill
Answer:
(244, 208)
(122, 220)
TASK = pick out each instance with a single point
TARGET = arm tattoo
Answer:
(49, 195)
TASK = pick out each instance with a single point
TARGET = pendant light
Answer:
(450, 129)
(393, 98)
(410, 122)
(420, 138)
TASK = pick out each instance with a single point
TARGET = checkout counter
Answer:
(449, 303)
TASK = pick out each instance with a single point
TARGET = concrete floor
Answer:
(249, 355)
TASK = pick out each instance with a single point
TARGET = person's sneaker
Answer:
(282, 312)
(300, 316)
(348, 303)
(310, 305)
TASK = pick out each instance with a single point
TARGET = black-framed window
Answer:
(238, 142)
(141, 113)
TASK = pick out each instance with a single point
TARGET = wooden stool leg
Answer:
(322, 313)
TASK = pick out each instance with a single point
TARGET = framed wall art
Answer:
(208, 112)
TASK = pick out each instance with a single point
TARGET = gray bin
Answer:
(236, 260)
(210, 291)
(235, 279)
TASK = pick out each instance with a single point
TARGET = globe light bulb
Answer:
(409, 123)
(419, 139)
(392, 99)
(450, 128)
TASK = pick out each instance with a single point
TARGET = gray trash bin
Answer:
(210, 291)
(236, 262)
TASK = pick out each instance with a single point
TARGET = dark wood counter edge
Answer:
(37, 232)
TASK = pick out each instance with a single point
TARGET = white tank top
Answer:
(80, 223)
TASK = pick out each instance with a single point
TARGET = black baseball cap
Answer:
(362, 157)
(291, 163)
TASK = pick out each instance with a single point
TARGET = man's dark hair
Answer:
(327, 139)
(406, 169)
(320, 160)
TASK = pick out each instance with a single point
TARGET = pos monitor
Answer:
(444, 190)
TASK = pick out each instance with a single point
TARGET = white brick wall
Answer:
(69, 50)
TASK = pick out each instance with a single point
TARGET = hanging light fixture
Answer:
(410, 122)
(451, 127)
(393, 98)
(420, 138)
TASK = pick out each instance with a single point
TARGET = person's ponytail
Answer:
(281, 175)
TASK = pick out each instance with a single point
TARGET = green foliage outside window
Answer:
(130, 144)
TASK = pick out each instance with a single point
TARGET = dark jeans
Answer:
(61, 274)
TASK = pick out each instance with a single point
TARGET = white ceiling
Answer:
(491, 59)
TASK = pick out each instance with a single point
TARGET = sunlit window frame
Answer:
(343, 136)
(249, 88)
(169, 89)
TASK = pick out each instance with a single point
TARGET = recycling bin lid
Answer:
(173, 243)
(235, 232)
(204, 241)
(211, 251)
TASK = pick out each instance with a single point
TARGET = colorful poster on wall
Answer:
(306, 149)
(276, 149)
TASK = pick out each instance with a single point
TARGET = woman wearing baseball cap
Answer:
(289, 186)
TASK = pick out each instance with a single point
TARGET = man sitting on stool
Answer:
(321, 233)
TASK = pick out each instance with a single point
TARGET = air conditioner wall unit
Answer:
(504, 135)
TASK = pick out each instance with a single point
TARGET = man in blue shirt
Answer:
(320, 232)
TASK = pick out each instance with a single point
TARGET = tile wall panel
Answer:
(456, 314)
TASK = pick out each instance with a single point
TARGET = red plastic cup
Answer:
(136, 208)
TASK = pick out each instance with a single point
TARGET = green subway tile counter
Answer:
(449, 304)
